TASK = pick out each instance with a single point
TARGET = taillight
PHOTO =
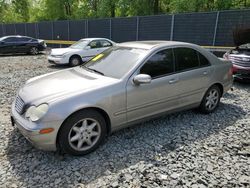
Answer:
(230, 72)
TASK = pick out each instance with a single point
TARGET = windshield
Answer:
(80, 44)
(116, 61)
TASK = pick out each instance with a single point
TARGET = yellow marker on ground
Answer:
(99, 56)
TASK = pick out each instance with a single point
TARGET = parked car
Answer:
(240, 56)
(79, 52)
(21, 44)
(73, 110)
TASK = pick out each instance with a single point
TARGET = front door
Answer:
(94, 49)
(158, 96)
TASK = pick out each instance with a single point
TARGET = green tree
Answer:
(21, 8)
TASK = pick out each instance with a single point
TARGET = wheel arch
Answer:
(75, 55)
(220, 86)
(97, 109)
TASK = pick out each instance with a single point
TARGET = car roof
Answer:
(152, 44)
(90, 39)
(16, 36)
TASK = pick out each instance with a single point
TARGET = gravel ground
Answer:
(184, 149)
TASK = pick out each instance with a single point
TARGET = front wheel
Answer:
(82, 133)
(210, 100)
(75, 61)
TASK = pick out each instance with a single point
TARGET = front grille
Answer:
(241, 61)
(19, 105)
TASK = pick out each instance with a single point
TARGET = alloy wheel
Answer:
(212, 99)
(84, 134)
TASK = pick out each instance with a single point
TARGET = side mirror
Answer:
(142, 79)
(2, 42)
(87, 47)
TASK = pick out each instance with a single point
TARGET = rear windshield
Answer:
(116, 61)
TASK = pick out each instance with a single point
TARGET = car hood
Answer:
(241, 36)
(61, 51)
(59, 84)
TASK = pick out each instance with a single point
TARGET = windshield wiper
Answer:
(93, 70)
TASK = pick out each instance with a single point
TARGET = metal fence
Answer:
(209, 28)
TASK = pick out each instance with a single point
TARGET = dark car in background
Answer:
(21, 44)
(240, 55)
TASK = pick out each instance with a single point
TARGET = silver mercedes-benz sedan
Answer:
(73, 110)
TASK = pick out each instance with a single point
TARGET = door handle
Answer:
(205, 73)
(172, 81)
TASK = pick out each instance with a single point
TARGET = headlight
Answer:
(60, 56)
(35, 113)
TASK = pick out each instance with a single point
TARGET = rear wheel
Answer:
(210, 100)
(82, 133)
(34, 51)
(75, 61)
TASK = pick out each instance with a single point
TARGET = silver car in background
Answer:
(73, 110)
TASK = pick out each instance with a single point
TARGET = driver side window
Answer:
(159, 64)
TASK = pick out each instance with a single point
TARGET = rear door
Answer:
(194, 72)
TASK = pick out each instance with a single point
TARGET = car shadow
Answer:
(21, 54)
(54, 66)
(122, 149)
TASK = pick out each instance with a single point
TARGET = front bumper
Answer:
(57, 60)
(30, 130)
(240, 72)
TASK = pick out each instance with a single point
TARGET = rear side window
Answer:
(159, 64)
(22, 39)
(203, 60)
(185, 58)
(26, 39)
(105, 43)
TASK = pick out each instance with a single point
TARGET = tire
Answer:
(34, 51)
(75, 61)
(82, 133)
(210, 100)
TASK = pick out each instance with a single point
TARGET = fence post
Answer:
(52, 30)
(68, 30)
(137, 27)
(25, 29)
(15, 28)
(3, 29)
(37, 30)
(215, 27)
(110, 29)
(172, 28)
(86, 29)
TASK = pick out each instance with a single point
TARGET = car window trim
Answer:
(198, 53)
(193, 68)
(137, 71)
(151, 55)
(107, 42)
(93, 41)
